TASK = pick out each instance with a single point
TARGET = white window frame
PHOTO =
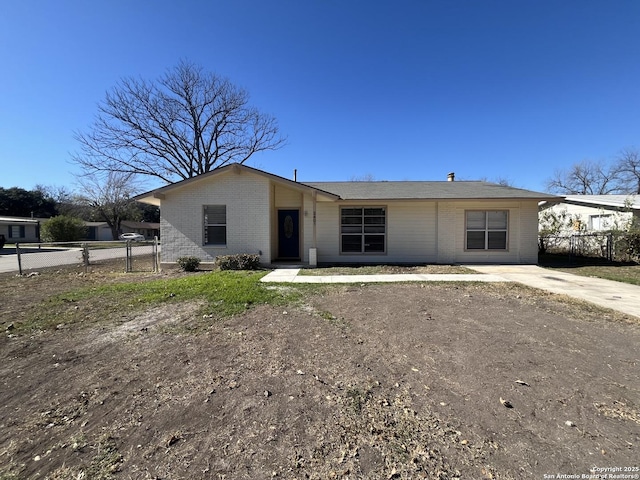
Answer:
(213, 222)
(363, 233)
(604, 222)
(486, 230)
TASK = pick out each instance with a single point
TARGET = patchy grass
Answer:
(619, 273)
(353, 381)
(222, 293)
(593, 267)
(384, 269)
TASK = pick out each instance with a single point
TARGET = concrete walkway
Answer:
(290, 275)
(618, 296)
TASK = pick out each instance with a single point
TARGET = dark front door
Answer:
(289, 234)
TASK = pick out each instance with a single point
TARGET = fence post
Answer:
(128, 262)
(572, 242)
(610, 247)
(85, 256)
(19, 259)
(156, 253)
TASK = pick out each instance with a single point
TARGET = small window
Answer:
(600, 222)
(215, 224)
(363, 230)
(486, 229)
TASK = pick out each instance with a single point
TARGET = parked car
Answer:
(134, 237)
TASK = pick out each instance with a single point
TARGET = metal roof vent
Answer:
(451, 177)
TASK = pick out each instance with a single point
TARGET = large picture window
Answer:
(215, 224)
(486, 229)
(363, 230)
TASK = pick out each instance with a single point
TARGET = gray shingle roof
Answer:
(425, 190)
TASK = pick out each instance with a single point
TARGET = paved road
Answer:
(53, 257)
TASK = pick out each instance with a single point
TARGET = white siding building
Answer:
(594, 213)
(239, 209)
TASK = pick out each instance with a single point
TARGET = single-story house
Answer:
(100, 231)
(148, 230)
(593, 213)
(239, 209)
(20, 229)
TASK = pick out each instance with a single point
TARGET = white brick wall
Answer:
(522, 235)
(247, 197)
(411, 234)
(417, 232)
(446, 228)
(428, 232)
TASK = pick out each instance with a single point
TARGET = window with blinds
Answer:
(486, 229)
(363, 230)
(215, 224)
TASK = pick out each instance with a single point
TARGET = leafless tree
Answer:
(502, 181)
(587, 178)
(367, 177)
(109, 195)
(186, 123)
(628, 164)
(62, 196)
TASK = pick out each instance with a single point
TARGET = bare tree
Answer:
(587, 178)
(500, 180)
(109, 195)
(62, 196)
(367, 177)
(628, 165)
(184, 124)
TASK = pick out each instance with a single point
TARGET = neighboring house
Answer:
(239, 209)
(100, 231)
(148, 230)
(593, 213)
(20, 229)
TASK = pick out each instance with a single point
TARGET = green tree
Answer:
(63, 229)
(18, 202)
(146, 213)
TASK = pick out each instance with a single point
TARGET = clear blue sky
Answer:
(400, 90)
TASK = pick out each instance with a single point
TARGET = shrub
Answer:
(189, 264)
(242, 261)
(63, 229)
(631, 245)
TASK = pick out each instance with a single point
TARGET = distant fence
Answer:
(613, 247)
(131, 256)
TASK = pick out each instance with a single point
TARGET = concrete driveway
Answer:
(619, 296)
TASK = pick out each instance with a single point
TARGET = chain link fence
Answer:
(129, 256)
(612, 247)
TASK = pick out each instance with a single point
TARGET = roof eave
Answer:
(155, 197)
(448, 199)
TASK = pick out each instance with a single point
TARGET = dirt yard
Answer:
(391, 381)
